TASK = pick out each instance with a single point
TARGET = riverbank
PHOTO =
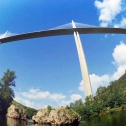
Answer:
(112, 110)
(115, 119)
(106, 101)
(109, 111)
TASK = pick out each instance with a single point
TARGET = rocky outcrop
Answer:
(16, 112)
(42, 116)
(57, 116)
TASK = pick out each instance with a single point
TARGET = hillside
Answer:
(30, 111)
(122, 79)
(107, 100)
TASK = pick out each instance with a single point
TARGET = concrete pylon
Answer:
(83, 65)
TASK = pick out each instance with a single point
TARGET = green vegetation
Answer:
(107, 100)
(49, 108)
(6, 92)
(30, 111)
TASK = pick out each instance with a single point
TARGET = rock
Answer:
(57, 116)
(16, 112)
(42, 116)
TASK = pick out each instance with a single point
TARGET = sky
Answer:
(47, 69)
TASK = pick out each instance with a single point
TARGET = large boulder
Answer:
(16, 112)
(57, 116)
(42, 116)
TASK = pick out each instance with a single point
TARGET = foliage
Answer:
(107, 100)
(49, 108)
(6, 92)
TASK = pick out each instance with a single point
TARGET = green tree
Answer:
(106, 100)
(88, 100)
(6, 93)
(49, 108)
(100, 90)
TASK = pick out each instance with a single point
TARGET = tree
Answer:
(77, 106)
(106, 99)
(49, 108)
(88, 100)
(100, 90)
(76, 103)
(6, 93)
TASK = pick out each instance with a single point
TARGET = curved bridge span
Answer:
(55, 32)
(66, 31)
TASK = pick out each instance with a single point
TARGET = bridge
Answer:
(70, 28)
(64, 30)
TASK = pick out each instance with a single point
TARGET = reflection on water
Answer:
(39, 125)
(14, 122)
(116, 119)
(2, 121)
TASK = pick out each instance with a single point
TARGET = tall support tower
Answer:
(83, 65)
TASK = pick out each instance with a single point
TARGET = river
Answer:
(116, 119)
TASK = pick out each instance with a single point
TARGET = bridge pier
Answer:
(83, 64)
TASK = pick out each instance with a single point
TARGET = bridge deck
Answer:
(56, 32)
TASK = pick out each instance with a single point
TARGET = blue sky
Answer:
(47, 69)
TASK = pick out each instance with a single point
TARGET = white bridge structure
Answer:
(70, 28)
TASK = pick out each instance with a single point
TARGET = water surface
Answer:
(116, 119)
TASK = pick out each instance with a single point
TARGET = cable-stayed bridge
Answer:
(69, 28)
(63, 30)
(69, 25)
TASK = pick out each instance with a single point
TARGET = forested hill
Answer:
(122, 78)
(30, 111)
(107, 100)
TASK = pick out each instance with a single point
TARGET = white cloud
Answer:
(122, 23)
(73, 98)
(108, 10)
(96, 81)
(38, 94)
(24, 101)
(37, 99)
(119, 55)
(29, 103)
(120, 71)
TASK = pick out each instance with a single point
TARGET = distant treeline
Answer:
(107, 100)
